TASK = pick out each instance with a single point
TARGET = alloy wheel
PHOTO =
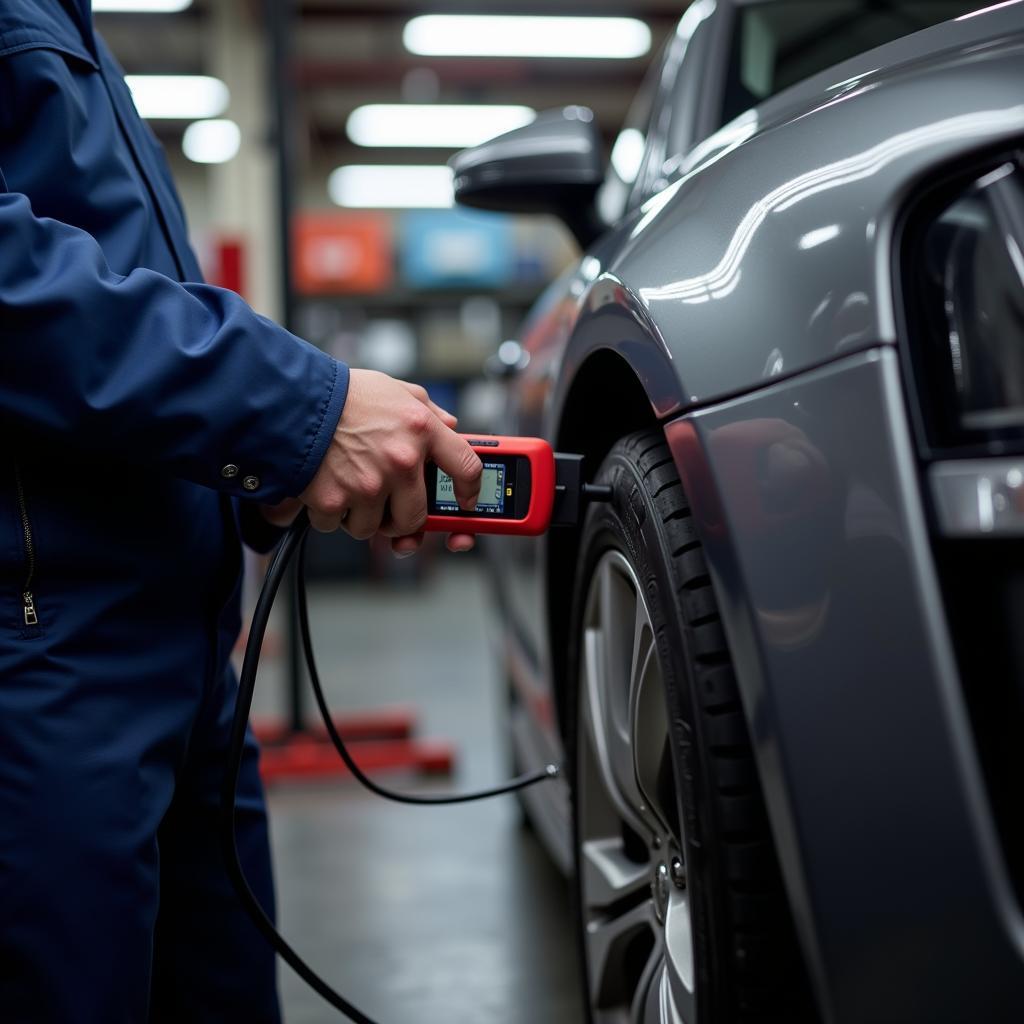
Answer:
(634, 898)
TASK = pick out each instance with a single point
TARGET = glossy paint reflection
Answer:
(753, 228)
(720, 280)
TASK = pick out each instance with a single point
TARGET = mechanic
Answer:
(150, 422)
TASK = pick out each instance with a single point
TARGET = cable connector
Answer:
(571, 493)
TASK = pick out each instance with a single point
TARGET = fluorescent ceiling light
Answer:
(444, 125)
(189, 97)
(211, 142)
(516, 35)
(391, 186)
(139, 6)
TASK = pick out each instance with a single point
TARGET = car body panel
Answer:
(759, 228)
(816, 539)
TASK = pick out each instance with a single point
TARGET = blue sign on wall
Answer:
(456, 249)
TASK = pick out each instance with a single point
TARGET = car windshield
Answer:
(778, 44)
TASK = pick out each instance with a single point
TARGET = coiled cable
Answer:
(294, 541)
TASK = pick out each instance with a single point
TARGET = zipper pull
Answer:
(31, 618)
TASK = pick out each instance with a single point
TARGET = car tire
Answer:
(681, 911)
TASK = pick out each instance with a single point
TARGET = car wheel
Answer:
(680, 905)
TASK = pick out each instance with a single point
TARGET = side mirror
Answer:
(553, 165)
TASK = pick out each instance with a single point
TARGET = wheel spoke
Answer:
(618, 609)
(649, 728)
(679, 957)
(646, 1008)
(602, 736)
(608, 942)
(610, 876)
(618, 626)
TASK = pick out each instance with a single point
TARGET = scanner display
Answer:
(492, 490)
(504, 490)
(517, 489)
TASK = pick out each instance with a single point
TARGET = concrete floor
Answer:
(425, 915)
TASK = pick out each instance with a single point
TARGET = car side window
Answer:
(630, 149)
(779, 44)
(660, 124)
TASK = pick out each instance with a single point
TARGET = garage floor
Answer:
(426, 915)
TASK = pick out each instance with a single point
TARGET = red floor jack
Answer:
(382, 739)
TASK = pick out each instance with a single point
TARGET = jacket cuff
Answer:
(334, 404)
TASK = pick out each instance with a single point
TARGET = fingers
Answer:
(328, 512)
(403, 547)
(371, 477)
(364, 520)
(444, 416)
(420, 394)
(324, 522)
(408, 505)
(283, 514)
(460, 462)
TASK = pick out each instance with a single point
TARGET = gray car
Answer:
(786, 664)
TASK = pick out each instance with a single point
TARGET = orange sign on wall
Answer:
(342, 252)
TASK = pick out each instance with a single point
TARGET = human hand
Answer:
(285, 513)
(282, 514)
(371, 479)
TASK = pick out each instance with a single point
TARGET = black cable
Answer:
(246, 687)
(294, 540)
(520, 782)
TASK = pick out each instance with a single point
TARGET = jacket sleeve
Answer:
(182, 378)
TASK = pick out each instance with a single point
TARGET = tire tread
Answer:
(763, 944)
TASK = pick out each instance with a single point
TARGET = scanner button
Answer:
(250, 483)
(229, 471)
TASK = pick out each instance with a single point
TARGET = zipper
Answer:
(27, 599)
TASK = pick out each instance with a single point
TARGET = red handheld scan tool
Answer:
(517, 489)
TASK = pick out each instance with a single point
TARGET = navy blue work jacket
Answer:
(143, 413)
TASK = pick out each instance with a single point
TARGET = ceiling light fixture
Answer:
(517, 35)
(437, 125)
(139, 6)
(187, 97)
(211, 142)
(391, 186)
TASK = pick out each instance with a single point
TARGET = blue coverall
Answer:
(129, 391)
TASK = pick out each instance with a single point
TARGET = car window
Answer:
(630, 147)
(775, 45)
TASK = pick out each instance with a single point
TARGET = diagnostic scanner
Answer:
(517, 489)
(525, 488)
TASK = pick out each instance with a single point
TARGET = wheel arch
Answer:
(604, 402)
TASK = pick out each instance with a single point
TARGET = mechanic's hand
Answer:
(282, 514)
(371, 479)
(286, 512)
